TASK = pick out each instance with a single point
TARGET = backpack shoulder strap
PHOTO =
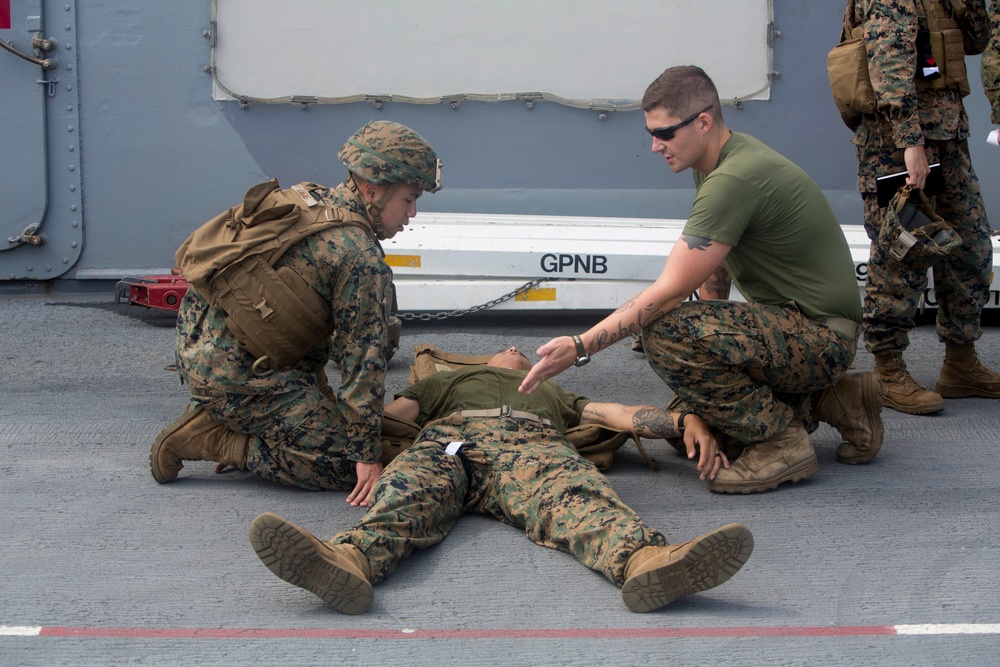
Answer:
(313, 217)
(849, 25)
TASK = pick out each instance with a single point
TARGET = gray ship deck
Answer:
(894, 562)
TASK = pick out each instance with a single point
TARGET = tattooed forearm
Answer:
(625, 306)
(654, 423)
(594, 415)
(718, 284)
(644, 316)
(646, 420)
(696, 242)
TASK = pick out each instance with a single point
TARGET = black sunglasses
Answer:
(667, 133)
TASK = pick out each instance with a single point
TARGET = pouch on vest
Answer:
(948, 45)
(948, 50)
(847, 68)
(912, 233)
(273, 313)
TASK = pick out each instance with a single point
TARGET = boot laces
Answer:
(903, 378)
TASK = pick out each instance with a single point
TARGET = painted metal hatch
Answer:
(41, 227)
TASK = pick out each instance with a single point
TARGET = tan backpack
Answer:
(597, 444)
(273, 313)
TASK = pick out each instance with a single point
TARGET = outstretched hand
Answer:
(364, 490)
(553, 358)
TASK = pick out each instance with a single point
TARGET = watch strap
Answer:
(680, 421)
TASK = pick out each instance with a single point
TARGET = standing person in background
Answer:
(764, 372)
(991, 64)
(919, 120)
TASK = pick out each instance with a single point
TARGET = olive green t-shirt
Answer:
(786, 242)
(488, 387)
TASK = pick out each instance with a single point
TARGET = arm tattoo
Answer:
(646, 314)
(718, 284)
(696, 242)
(654, 423)
(625, 306)
(594, 415)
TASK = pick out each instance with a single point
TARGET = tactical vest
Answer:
(273, 313)
(947, 45)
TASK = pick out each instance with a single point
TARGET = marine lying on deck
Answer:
(515, 464)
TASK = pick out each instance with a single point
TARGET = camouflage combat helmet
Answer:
(386, 152)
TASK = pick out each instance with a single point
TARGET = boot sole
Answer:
(871, 399)
(288, 552)
(913, 409)
(795, 473)
(160, 473)
(710, 560)
(963, 391)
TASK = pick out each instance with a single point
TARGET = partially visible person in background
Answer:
(919, 120)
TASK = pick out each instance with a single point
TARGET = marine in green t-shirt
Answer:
(786, 244)
(765, 371)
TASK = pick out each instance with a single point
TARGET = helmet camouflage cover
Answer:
(386, 152)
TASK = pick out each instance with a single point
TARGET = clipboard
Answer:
(886, 186)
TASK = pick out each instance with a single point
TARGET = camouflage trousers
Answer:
(296, 437)
(747, 369)
(961, 283)
(520, 472)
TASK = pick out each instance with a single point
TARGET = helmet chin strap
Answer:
(374, 209)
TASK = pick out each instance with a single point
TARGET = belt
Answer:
(843, 325)
(505, 411)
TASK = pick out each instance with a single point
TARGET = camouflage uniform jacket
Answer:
(991, 63)
(905, 116)
(343, 264)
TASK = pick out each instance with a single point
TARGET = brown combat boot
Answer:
(787, 457)
(656, 576)
(195, 437)
(964, 376)
(853, 406)
(339, 574)
(900, 391)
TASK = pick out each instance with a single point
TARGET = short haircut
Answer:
(683, 91)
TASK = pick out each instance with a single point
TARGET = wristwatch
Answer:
(680, 422)
(582, 357)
